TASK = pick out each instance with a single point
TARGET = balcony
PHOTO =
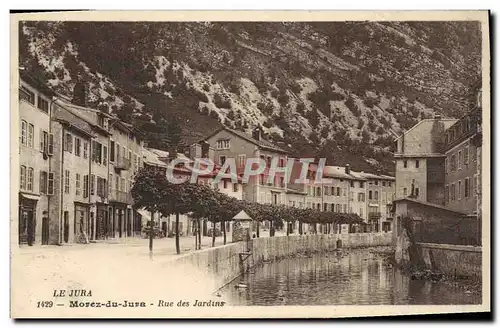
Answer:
(122, 163)
(374, 216)
(121, 197)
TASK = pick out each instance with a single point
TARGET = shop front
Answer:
(27, 218)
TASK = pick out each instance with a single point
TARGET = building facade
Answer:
(65, 156)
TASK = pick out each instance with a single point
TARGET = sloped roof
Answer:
(429, 204)
(151, 158)
(66, 116)
(447, 123)
(262, 143)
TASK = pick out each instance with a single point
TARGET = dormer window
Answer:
(223, 144)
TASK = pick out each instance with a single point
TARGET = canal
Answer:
(345, 277)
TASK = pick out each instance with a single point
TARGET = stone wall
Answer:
(452, 260)
(229, 261)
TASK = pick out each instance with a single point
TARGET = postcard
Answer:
(249, 164)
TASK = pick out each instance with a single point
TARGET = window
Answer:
(361, 211)
(338, 208)
(376, 195)
(446, 194)
(50, 184)
(383, 183)
(405, 164)
(344, 207)
(110, 182)
(112, 151)
(326, 193)
(241, 160)
(43, 104)
(78, 146)
(352, 184)
(318, 191)
(361, 184)
(24, 133)
(222, 160)
(43, 182)
(68, 145)
(29, 185)
(453, 163)
(117, 183)
(344, 192)
(446, 166)
(474, 190)
(223, 144)
(77, 184)
(85, 186)
(459, 190)
(225, 184)
(361, 197)
(467, 188)
(104, 155)
(466, 155)
(459, 159)
(417, 163)
(370, 195)
(117, 152)
(338, 191)
(27, 95)
(282, 182)
(66, 181)
(235, 187)
(31, 132)
(85, 149)
(405, 191)
(376, 182)
(23, 177)
(452, 192)
(332, 191)
(92, 184)
(99, 153)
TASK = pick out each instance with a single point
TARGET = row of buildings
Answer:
(438, 177)
(77, 167)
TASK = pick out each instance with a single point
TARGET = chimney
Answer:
(347, 169)
(204, 149)
(257, 133)
(437, 116)
(80, 93)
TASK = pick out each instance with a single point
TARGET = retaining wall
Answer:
(453, 260)
(227, 262)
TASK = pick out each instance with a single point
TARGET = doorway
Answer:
(26, 226)
(45, 231)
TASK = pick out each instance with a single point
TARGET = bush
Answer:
(221, 102)
(295, 87)
(370, 102)
(200, 96)
(206, 87)
(301, 108)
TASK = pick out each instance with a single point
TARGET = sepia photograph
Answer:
(249, 164)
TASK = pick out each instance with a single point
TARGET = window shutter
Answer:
(50, 188)
(92, 182)
(42, 145)
(112, 152)
(50, 148)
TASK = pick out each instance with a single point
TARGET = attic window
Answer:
(223, 144)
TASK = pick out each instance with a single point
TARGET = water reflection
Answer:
(352, 277)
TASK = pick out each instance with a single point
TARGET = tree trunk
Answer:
(213, 235)
(271, 228)
(195, 234)
(300, 228)
(151, 234)
(199, 234)
(177, 245)
(288, 228)
(258, 228)
(224, 230)
(315, 228)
